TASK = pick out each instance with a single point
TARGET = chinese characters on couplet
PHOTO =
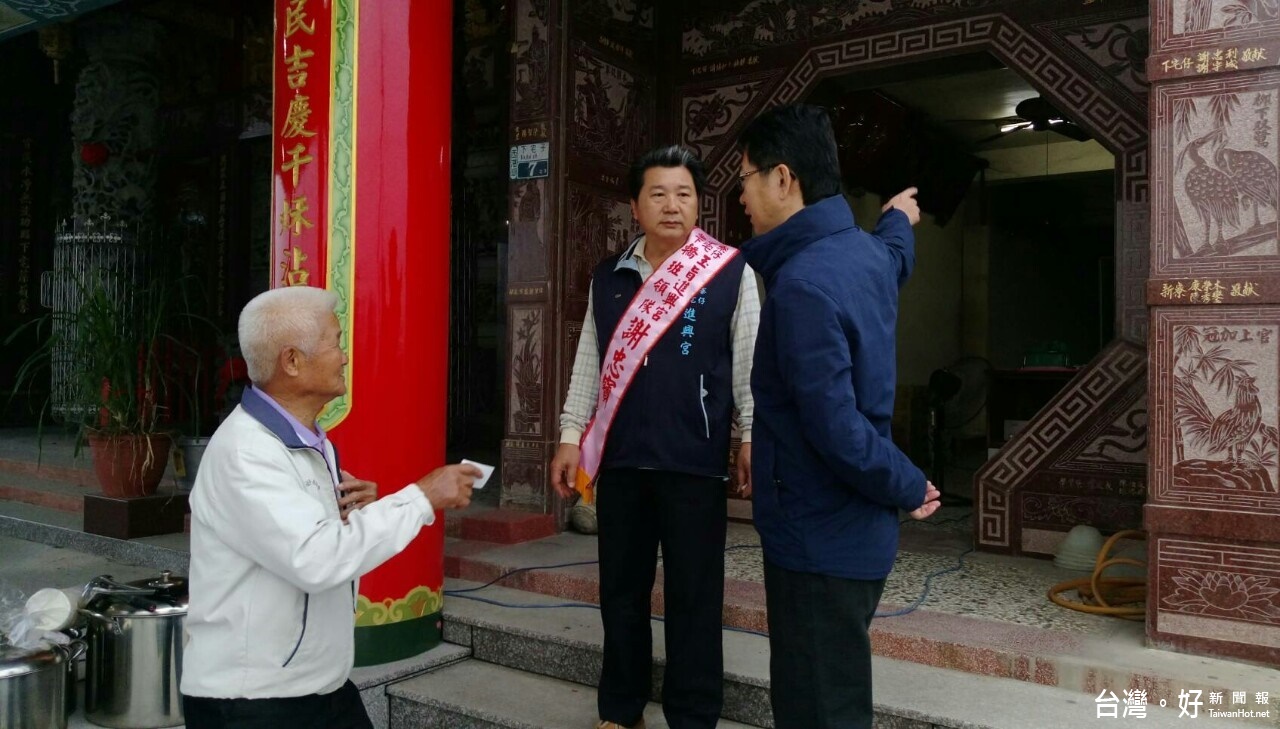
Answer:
(1206, 291)
(1218, 59)
(296, 211)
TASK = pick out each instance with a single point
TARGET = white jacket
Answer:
(273, 567)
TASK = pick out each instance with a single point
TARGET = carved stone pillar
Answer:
(1213, 507)
(533, 253)
(115, 117)
(597, 115)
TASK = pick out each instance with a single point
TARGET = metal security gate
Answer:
(87, 254)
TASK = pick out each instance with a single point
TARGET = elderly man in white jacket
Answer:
(280, 534)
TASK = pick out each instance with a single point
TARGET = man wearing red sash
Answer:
(664, 358)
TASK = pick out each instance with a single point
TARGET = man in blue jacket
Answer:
(828, 481)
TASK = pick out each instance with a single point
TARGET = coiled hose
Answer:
(1121, 597)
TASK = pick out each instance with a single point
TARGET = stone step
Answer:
(47, 492)
(51, 527)
(1115, 660)
(566, 643)
(21, 514)
(478, 695)
(483, 523)
(54, 457)
(373, 681)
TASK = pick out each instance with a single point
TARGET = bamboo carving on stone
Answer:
(1224, 409)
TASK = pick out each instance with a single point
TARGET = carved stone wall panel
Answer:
(1216, 444)
(710, 117)
(1134, 172)
(599, 223)
(530, 217)
(1095, 399)
(767, 24)
(628, 20)
(479, 68)
(1096, 477)
(524, 474)
(1216, 595)
(1133, 251)
(1217, 189)
(526, 337)
(1116, 442)
(1068, 86)
(531, 78)
(612, 109)
(1111, 48)
(1059, 506)
(1180, 25)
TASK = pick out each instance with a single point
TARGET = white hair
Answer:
(291, 316)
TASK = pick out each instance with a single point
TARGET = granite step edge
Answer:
(460, 696)
(128, 551)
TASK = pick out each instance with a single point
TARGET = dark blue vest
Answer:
(677, 414)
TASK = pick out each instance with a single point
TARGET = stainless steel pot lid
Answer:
(153, 597)
(16, 661)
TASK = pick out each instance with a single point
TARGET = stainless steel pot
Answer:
(34, 686)
(134, 664)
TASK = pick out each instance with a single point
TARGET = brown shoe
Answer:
(615, 725)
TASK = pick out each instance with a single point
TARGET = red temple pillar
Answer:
(361, 206)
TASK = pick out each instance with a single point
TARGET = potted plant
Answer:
(204, 373)
(115, 344)
(109, 351)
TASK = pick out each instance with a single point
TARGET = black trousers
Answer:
(820, 649)
(341, 709)
(637, 510)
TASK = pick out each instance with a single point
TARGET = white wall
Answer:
(929, 307)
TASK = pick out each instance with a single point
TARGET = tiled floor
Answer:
(983, 585)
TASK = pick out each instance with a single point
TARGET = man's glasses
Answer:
(742, 177)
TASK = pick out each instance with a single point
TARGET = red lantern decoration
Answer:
(94, 154)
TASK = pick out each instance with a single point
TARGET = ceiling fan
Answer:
(1037, 114)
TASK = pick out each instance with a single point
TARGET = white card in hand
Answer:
(487, 471)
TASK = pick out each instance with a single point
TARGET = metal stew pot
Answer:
(134, 664)
(35, 686)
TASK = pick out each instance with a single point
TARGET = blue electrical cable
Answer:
(928, 580)
(517, 571)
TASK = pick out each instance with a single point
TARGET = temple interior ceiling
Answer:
(971, 106)
(20, 16)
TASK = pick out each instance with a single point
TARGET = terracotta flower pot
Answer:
(129, 465)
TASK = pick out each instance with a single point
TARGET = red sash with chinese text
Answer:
(658, 303)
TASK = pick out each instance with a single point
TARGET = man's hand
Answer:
(564, 469)
(906, 202)
(355, 493)
(744, 471)
(931, 502)
(449, 487)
